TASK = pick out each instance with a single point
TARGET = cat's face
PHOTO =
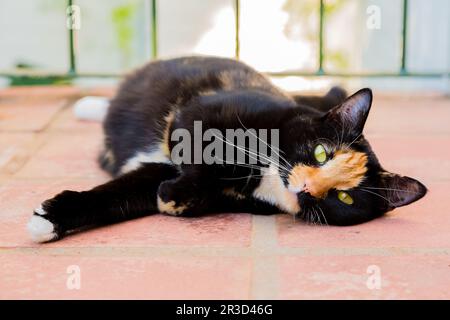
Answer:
(334, 172)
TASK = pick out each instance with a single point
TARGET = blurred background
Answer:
(301, 44)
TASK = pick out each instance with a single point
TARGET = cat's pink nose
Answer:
(308, 186)
(315, 190)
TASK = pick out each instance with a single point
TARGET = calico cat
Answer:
(326, 170)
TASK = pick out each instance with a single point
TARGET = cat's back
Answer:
(189, 76)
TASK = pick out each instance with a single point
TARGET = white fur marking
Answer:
(40, 211)
(272, 189)
(40, 229)
(91, 108)
(155, 156)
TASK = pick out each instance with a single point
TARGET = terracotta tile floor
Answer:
(43, 150)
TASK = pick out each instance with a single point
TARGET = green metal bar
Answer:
(154, 30)
(72, 55)
(358, 75)
(321, 22)
(404, 37)
(274, 74)
(237, 6)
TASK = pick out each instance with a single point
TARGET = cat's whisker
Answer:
(251, 153)
(356, 139)
(316, 217)
(391, 189)
(313, 216)
(323, 215)
(319, 221)
(339, 142)
(277, 150)
(324, 139)
(239, 148)
(248, 178)
(243, 177)
(251, 175)
(244, 165)
(377, 194)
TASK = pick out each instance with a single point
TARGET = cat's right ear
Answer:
(352, 114)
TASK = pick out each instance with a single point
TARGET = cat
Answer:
(326, 171)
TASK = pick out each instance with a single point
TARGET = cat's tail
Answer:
(91, 108)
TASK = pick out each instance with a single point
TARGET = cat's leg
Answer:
(186, 195)
(129, 196)
(189, 195)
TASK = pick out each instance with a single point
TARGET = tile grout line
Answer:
(40, 136)
(265, 273)
(219, 251)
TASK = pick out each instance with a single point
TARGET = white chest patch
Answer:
(155, 156)
(272, 190)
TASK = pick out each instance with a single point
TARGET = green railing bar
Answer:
(72, 55)
(357, 75)
(237, 51)
(154, 30)
(273, 74)
(321, 22)
(404, 36)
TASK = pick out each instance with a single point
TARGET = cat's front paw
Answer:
(47, 222)
(40, 228)
(169, 201)
(181, 197)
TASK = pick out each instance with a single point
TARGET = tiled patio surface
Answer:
(44, 150)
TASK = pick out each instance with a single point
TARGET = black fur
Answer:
(223, 94)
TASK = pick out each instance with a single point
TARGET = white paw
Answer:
(40, 229)
(40, 211)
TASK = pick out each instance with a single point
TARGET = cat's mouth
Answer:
(306, 200)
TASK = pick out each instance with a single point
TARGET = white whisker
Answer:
(391, 189)
(271, 147)
(377, 194)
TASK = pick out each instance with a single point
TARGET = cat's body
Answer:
(323, 159)
(145, 106)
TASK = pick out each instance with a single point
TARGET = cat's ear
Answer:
(352, 113)
(400, 190)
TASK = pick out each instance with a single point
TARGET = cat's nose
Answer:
(318, 194)
(315, 191)
(310, 188)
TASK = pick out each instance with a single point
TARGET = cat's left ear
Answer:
(352, 113)
(400, 190)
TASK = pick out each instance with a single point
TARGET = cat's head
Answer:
(335, 173)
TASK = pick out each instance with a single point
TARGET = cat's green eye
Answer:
(320, 154)
(345, 197)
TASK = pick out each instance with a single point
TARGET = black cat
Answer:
(325, 170)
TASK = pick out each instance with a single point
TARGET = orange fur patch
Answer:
(342, 172)
(170, 207)
(231, 192)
